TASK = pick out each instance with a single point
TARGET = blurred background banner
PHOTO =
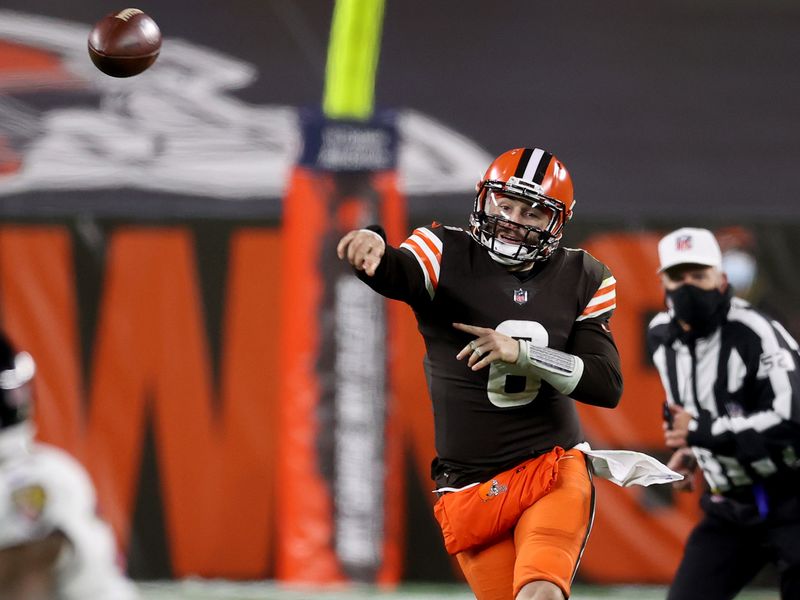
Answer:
(340, 488)
(338, 498)
(150, 248)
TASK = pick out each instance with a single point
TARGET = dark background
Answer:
(668, 108)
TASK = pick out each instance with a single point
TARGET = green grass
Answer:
(223, 590)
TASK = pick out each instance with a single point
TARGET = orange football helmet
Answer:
(534, 176)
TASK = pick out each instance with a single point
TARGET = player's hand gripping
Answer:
(488, 347)
(363, 249)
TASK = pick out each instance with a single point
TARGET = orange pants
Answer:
(546, 544)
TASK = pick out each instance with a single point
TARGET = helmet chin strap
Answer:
(510, 262)
(501, 251)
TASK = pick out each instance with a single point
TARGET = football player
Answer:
(516, 330)
(52, 545)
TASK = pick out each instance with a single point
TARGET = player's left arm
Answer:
(591, 342)
(589, 371)
(601, 381)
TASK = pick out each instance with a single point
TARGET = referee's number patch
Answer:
(781, 359)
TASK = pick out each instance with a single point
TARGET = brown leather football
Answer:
(124, 43)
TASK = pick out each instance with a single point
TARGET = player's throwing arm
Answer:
(363, 249)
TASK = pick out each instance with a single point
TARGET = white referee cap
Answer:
(689, 245)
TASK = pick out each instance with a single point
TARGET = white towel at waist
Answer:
(626, 467)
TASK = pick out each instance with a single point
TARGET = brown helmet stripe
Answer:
(541, 168)
(522, 165)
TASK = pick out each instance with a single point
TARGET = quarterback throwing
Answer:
(516, 330)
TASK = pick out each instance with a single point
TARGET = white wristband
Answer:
(560, 369)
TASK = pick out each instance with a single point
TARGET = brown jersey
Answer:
(490, 419)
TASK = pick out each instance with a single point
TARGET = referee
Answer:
(731, 375)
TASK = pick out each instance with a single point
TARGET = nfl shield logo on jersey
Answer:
(521, 296)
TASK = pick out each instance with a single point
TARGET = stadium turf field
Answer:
(219, 590)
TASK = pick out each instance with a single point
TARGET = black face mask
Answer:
(702, 310)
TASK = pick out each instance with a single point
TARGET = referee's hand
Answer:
(683, 461)
(675, 437)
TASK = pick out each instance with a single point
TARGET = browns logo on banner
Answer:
(339, 463)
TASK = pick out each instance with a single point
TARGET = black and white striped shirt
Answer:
(741, 384)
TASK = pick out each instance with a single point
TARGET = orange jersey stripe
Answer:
(425, 260)
(429, 244)
(599, 307)
(609, 288)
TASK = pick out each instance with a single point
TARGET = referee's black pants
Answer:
(723, 556)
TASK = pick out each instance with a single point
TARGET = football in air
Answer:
(124, 43)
